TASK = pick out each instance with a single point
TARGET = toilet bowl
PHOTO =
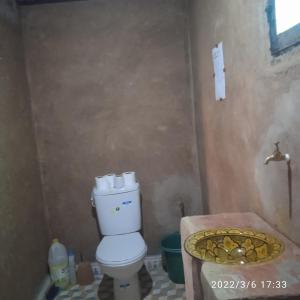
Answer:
(121, 257)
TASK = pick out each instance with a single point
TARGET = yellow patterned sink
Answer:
(233, 246)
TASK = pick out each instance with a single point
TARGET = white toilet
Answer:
(122, 250)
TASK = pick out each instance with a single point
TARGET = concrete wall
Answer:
(23, 233)
(262, 107)
(110, 93)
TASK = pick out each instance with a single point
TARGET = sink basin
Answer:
(233, 246)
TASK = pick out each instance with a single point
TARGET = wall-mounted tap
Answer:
(181, 207)
(277, 155)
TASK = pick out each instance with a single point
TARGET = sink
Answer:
(233, 246)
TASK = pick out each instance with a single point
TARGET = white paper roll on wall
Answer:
(129, 178)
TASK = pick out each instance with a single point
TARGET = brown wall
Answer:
(23, 233)
(262, 107)
(110, 93)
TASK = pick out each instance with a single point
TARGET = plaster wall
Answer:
(261, 107)
(110, 93)
(23, 231)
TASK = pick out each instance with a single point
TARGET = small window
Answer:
(284, 22)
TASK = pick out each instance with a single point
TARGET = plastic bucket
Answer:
(171, 246)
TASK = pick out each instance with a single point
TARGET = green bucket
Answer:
(171, 246)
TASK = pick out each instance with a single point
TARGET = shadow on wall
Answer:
(272, 179)
(167, 195)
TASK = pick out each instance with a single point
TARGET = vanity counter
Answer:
(209, 281)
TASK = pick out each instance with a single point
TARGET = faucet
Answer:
(277, 155)
(181, 207)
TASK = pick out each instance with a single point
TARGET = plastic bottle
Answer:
(58, 264)
(72, 267)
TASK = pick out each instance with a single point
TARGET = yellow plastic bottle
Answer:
(58, 264)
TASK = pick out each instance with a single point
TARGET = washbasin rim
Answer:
(243, 231)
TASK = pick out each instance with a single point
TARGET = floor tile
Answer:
(159, 287)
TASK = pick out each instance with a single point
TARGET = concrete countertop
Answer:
(284, 268)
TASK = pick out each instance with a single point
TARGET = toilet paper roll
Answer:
(101, 183)
(129, 178)
(110, 178)
(119, 182)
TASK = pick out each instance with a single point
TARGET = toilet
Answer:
(122, 250)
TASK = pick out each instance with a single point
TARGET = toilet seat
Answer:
(121, 250)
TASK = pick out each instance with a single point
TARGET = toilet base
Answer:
(127, 289)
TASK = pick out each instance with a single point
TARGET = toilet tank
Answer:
(118, 209)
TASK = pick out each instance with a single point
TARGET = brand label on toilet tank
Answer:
(126, 202)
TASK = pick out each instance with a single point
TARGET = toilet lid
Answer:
(121, 249)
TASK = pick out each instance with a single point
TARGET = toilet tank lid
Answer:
(121, 248)
(116, 191)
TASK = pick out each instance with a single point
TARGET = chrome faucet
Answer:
(277, 155)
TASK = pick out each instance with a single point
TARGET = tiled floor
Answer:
(88, 292)
(162, 288)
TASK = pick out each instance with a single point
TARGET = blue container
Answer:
(171, 246)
